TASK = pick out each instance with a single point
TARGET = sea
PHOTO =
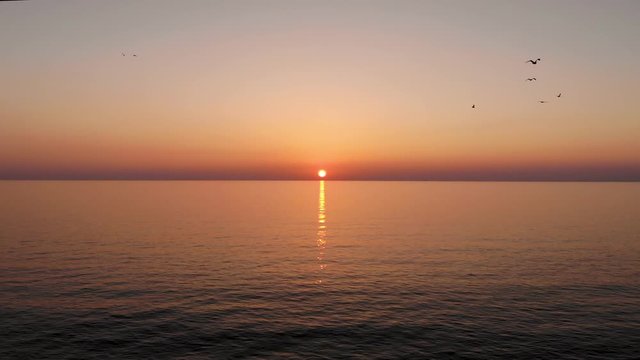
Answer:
(319, 270)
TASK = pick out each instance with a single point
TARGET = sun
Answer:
(322, 173)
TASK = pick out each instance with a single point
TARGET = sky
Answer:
(275, 89)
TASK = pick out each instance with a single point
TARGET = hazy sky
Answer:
(278, 89)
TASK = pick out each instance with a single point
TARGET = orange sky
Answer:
(278, 89)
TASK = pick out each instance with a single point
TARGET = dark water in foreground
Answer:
(96, 270)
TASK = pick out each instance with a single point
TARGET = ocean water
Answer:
(305, 270)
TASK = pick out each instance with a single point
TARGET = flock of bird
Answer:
(533, 62)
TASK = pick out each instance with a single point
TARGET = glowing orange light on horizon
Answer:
(322, 173)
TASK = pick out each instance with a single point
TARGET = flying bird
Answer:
(135, 55)
(559, 95)
(543, 101)
(533, 61)
(473, 106)
(122, 54)
(531, 79)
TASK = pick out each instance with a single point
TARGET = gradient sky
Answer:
(277, 89)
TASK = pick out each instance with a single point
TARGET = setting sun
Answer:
(322, 173)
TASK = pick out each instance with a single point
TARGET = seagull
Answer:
(542, 101)
(559, 95)
(533, 61)
(532, 79)
(473, 106)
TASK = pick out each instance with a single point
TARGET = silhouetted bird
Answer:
(135, 55)
(532, 79)
(534, 61)
(122, 54)
(473, 106)
(543, 102)
(559, 94)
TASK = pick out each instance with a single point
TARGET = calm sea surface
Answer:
(245, 269)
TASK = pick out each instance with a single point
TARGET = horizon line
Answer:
(334, 179)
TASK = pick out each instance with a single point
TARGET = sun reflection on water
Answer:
(321, 241)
